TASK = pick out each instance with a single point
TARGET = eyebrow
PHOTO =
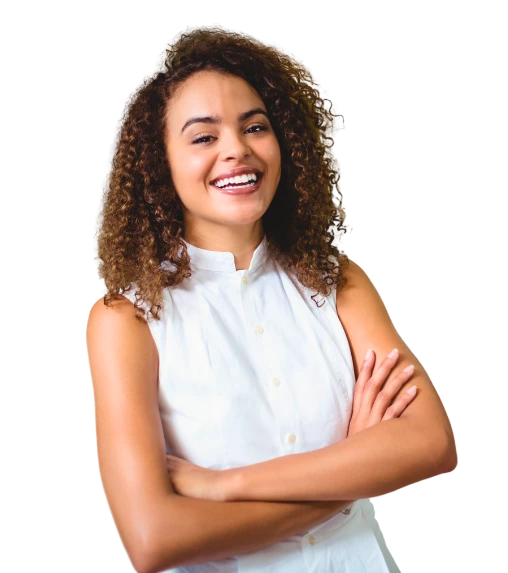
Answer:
(216, 119)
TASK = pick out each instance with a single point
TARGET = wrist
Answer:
(230, 484)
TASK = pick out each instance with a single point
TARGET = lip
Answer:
(235, 172)
(246, 191)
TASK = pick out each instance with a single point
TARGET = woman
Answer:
(239, 426)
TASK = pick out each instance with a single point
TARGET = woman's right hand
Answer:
(372, 402)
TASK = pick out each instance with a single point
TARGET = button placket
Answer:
(284, 417)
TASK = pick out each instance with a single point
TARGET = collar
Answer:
(224, 260)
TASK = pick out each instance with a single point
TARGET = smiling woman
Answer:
(239, 426)
(280, 116)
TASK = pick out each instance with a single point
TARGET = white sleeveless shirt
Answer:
(250, 369)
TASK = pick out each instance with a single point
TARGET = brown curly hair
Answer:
(142, 222)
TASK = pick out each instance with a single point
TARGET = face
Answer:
(217, 128)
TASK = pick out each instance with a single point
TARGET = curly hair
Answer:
(142, 221)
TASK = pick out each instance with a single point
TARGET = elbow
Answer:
(144, 558)
(140, 564)
(145, 566)
(450, 460)
(143, 563)
(437, 452)
(445, 454)
(145, 555)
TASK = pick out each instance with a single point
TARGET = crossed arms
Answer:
(160, 529)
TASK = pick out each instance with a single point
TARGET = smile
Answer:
(240, 187)
(236, 181)
(239, 177)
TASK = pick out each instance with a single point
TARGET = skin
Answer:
(159, 528)
(213, 220)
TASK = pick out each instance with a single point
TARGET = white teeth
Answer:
(245, 178)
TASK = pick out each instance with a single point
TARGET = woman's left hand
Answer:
(374, 398)
(195, 481)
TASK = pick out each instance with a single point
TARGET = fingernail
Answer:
(412, 390)
(393, 353)
(409, 368)
(369, 354)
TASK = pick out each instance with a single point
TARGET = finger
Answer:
(388, 392)
(400, 404)
(172, 460)
(376, 381)
(364, 375)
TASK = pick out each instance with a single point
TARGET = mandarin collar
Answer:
(224, 260)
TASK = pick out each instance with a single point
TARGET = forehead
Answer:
(212, 93)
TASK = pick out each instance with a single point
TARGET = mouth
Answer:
(239, 185)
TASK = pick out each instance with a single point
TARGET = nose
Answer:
(235, 146)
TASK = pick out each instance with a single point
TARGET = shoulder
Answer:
(357, 291)
(113, 332)
(117, 315)
(354, 273)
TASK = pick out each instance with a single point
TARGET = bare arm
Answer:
(214, 530)
(385, 457)
(158, 528)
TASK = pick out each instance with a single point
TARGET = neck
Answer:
(240, 241)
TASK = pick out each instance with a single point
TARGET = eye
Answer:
(258, 125)
(201, 139)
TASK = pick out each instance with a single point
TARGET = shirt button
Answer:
(312, 540)
(259, 329)
(275, 381)
(291, 438)
(245, 280)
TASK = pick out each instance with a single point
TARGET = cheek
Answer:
(273, 154)
(199, 164)
(274, 164)
(190, 169)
